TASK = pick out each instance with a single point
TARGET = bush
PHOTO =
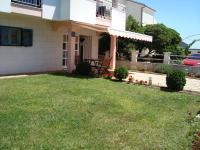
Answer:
(197, 74)
(83, 68)
(175, 80)
(163, 68)
(121, 73)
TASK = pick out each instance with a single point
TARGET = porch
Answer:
(81, 41)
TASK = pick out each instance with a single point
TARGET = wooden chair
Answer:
(104, 66)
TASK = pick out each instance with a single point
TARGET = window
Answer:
(11, 36)
(65, 51)
(77, 57)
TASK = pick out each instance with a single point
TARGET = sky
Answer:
(181, 15)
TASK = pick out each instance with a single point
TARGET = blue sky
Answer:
(181, 15)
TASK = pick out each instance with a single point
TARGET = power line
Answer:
(191, 36)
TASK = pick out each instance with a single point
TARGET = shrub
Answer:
(175, 80)
(197, 74)
(163, 68)
(83, 68)
(121, 73)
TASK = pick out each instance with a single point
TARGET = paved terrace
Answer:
(160, 80)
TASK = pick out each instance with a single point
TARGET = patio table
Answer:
(93, 62)
(100, 65)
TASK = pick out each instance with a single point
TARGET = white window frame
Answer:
(65, 51)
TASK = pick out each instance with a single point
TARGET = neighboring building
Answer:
(50, 35)
(194, 51)
(183, 44)
(141, 12)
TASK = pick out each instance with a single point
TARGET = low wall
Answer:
(189, 69)
(125, 63)
(146, 66)
(141, 66)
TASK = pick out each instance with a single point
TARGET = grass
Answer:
(59, 112)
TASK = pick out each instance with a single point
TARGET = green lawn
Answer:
(59, 112)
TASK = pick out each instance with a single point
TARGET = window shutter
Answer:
(27, 37)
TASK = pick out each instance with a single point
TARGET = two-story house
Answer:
(50, 35)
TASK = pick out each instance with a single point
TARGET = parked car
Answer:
(192, 60)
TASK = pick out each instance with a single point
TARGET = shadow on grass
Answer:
(115, 80)
(70, 75)
(165, 89)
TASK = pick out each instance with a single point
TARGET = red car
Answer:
(192, 60)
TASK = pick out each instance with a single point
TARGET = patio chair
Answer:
(104, 66)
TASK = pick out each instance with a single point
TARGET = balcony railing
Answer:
(33, 3)
(104, 9)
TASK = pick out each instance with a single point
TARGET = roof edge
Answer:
(142, 4)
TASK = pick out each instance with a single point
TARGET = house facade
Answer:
(47, 35)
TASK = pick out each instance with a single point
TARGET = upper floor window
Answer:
(12, 36)
(34, 3)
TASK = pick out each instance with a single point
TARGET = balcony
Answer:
(103, 12)
(104, 9)
(33, 3)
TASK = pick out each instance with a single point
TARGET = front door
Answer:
(81, 51)
(82, 40)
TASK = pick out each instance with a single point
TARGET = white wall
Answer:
(83, 11)
(51, 9)
(118, 19)
(144, 15)
(76, 10)
(95, 46)
(92, 48)
(44, 55)
(46, 52)
(147, 19)
(148, 16)
(65, 9)
(134, 9)
(5, 6)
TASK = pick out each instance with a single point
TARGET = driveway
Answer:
(160, 80)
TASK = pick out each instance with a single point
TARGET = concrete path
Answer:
(10, 77)
(160, 80)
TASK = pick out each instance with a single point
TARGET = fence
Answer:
(34, 3)
(150, 62)
(154, 58)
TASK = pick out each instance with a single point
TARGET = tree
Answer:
(133, 25)
(164, 39)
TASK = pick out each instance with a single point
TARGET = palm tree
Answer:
(190, 45)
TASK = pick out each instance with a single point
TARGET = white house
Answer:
(50, 35)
